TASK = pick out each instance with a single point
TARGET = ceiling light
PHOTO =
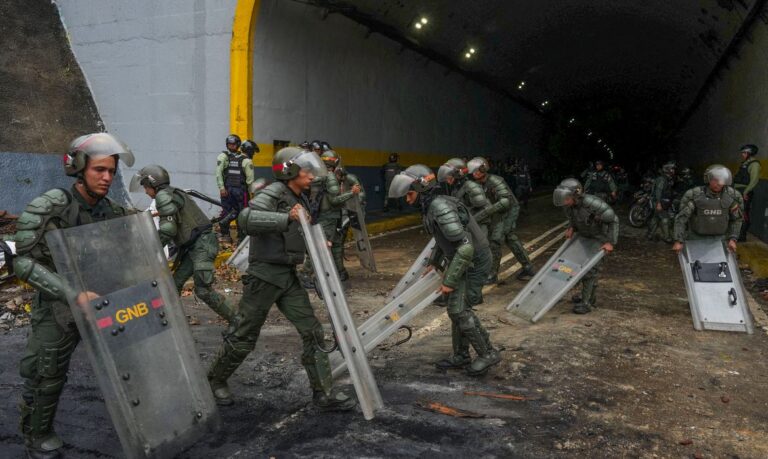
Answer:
(467, 55)
(599, 140)
(472, 50)
(418, 25)
(424, 20)
(572, 120)
(589, 133)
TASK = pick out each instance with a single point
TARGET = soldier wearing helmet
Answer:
(504, 212)
(277, 247)
(746, 181)
(662, 196)
(388, 172)
(326, 201)
(591, 217)
(600, 182)
(249, 148)
(93, 161)
(183, 223)
(230, 178)
(711, 211)
(464, 248)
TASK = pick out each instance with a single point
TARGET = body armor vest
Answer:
(192, 221)
(233, 173)
(742, 177)
(711, 216)
(283, 248)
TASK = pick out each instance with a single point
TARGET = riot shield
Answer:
(715, 291)
(136, 334)
(560, 274)
(415, 272)
(395, 314)
(360, 233)
(239, 258)
(343, 325)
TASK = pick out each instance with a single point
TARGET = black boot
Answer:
(338, 400)
(527, 273)
(460, 357)
(582, 308)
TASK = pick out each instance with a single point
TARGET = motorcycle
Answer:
(641, 210)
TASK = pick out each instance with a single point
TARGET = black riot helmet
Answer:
(233, 139)
(249, 147)
(749, 149)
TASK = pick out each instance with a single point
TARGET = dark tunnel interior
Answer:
(613, 80)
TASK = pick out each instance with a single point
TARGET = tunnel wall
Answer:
(735, 113)
(159, 72)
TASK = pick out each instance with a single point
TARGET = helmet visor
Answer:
(135, 184)
(560, 196)
(400, 185)
(103, 144)
(444, 172)
(309, 161)
(474, 164)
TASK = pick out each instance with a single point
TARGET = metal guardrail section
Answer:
(347, 334)
(414, 272)
(360, 233)
(239, 258)
(715, 290)
(395, 314)
(560, 274)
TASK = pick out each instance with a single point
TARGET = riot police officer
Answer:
(662, 196)
(745, 182)
(504, 212)
(462, 244)
(249, 148)
(277, 246)
(600, 182)
(523, 183)
(710, 211)
(93, 160)
(453, 177)
(591, 217)
(388, 172)
(230, 179)
(326, 200)
(183, 223)
(347, 181)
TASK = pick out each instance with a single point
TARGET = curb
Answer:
(377, 227)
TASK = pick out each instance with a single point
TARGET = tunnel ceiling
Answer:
(627, 66)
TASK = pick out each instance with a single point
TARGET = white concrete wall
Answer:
(316, 78)
(159, 73)
(733, 114)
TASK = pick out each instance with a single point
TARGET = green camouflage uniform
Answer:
(54, 336)
(503, 213)
(183, 223)
(277, 246)
(326, 203)
(461, 242)
(593, 218)
(601, 184)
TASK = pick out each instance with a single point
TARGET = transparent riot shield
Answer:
(715, 291)
(395, 314)
(559, 275)
(343, 325)
(239, 258)
(136, 334)
(360, 233)
(415, 272)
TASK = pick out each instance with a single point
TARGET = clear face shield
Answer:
(103, 144)
(561, 195)
(135, 185)
(310, 162)
(400, 185)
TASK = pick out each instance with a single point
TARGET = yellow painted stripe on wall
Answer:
(241, 68)
(360, 157)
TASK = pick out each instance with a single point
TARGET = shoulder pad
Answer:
(352, 178)
(734, 193)
(46, 203)
(593, 203)
(447, 218)
(331, 184)
(267, 198)
(500, 185)
(165, 203)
